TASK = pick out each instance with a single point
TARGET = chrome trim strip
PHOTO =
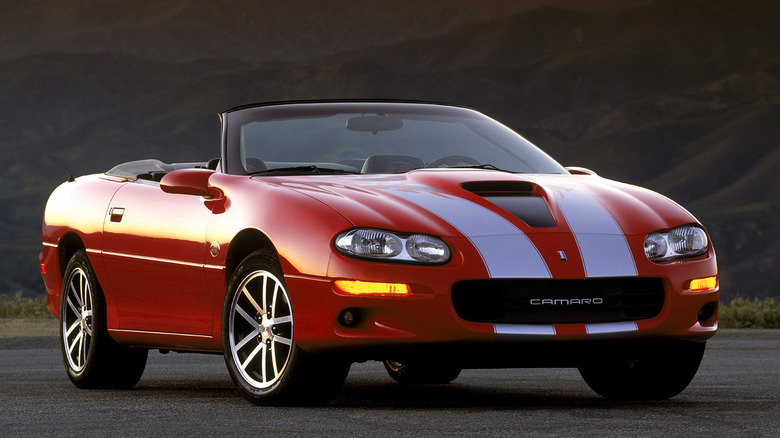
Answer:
(529, 332)
(149, 332)
(50, 245)
(150, 259)
(543, 332)
(154, 259)
(610, 329)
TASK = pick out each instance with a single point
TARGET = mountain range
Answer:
(680, 96)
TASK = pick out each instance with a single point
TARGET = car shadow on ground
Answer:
(489, 397)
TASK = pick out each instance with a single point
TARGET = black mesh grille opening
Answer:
(544, 301)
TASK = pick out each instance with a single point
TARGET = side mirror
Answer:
(190, 182)
(580, 171)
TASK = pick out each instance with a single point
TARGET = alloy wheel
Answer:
(261, 329)
(77, 320)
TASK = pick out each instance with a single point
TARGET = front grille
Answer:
(544, 301)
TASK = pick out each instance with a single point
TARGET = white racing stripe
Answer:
(505, 249)
(602, 245)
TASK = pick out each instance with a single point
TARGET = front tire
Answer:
(258, 338)
(92, 359)
(655, 371)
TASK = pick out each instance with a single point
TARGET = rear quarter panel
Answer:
(75, 210)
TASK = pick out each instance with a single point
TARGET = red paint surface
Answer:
(163, 288)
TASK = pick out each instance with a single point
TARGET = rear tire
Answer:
(654, 371)
(92, 359)
(422, 373)
(258, 329)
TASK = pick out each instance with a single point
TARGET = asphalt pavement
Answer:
(735, 394)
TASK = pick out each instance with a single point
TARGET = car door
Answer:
(154, 250)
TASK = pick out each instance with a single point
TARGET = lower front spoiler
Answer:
(598, 331)
(567, 354)
(540, 332)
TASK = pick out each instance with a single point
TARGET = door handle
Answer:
(116, 214)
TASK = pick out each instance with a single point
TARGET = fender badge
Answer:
(561, 255)
(214, 249)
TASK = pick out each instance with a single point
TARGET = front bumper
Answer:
(427, 320)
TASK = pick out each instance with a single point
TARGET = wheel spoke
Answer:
(249, 337)
(265, 295)
(83, 289)
(264, 364)
(87, 327)
(75, 293)
(273, 359)
(73, 344)
(82, 350)
(73, 308)
(248, 318)
(251, 299)
(282, 320)
(283, 340)
(251, 356)
(273, 300)
(72, 327)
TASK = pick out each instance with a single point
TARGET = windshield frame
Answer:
(234, 119)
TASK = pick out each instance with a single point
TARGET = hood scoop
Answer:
(517, 198)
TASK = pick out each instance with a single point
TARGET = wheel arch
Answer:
(244, 243)
(69, 243)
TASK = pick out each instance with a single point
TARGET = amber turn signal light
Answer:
(702, 284)
(356, 287)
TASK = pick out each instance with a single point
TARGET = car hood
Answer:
(521, 225)
(471, 203)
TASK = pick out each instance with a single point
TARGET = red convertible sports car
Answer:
(424, 235)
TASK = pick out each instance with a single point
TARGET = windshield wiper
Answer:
(303, 170)
(481, 166)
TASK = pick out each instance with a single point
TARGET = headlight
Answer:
(684, 241)
(385, 245)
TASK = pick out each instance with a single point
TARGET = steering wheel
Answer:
(452, 161)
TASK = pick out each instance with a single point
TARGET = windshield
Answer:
(375, 138)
